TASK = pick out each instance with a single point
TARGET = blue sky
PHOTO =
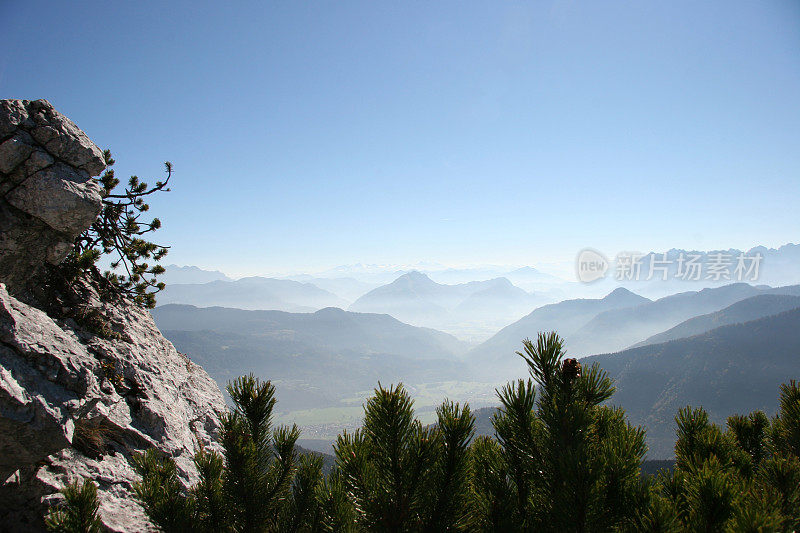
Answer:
(311, 134)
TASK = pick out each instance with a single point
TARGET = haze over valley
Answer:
(326, 338)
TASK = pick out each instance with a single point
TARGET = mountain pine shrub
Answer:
(78, 512)
(257, 484)
(745, 478)
(120, 233)
(401, 476)
(562, 461)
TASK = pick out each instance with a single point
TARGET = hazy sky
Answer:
(310, 134)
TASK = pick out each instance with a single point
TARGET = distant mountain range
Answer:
(190, 274)
(253, 293)
(777, 267)
(753, 308)
(708, 347)
(731, 369)
(349, 289)
(346, 285)
(497, 356)
(416, 299)
(412, 297)
(471, 310)
(495, 294)
(318, 358)
(613, 323)
(522, 277)
(440, 273)
(618, 329)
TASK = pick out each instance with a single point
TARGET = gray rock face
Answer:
(57, 380)
(74, 404)
(46, 195)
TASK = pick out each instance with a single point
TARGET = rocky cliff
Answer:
(75, 403)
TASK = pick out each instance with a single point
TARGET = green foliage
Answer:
(710, 495)
(303, 512)
(657, 515)
(744, 479)
(401, 476)
(491, 507)
(562, 461)
(78, 512)
(786, 428)
(260, 463)
(750, 434)
(258, 483)
(781, 475)
(120, 232)
(337, 513)
(161, 493)
(758, 512)
(209, 499)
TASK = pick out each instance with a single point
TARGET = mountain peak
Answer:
(330, 311)
(500, 283)
(623, 294)
(525, 270)
(415, 276)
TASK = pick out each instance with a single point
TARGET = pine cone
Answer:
(571, 369)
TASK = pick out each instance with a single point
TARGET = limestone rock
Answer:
(47, 196)
(76, 402)
(51, 390)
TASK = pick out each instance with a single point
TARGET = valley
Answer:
(439, 340)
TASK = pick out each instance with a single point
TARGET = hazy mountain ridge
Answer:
(410, 293)
(746, 310)
(174, 274)
(319, 358)
(603, 326)
(329, 327)
(617, 329)
(416, 299)
(525, 277)
(777, 267)
(347, 288)
(564, 317)
(253, 293)
(498, 292)
(731, 369)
